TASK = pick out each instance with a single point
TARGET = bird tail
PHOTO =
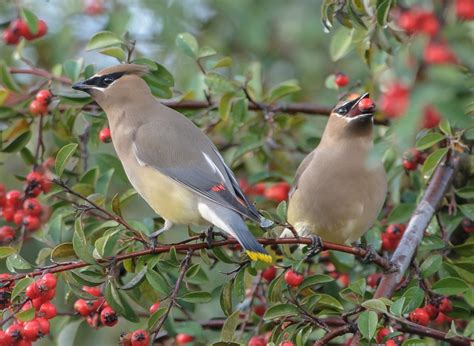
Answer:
(233, 224)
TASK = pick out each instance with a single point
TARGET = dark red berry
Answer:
(108, 317)
(269, 273)
(140, 338)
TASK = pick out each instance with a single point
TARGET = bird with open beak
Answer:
(337, 193)
(169, 161)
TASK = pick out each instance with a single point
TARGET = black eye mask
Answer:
(104, 81)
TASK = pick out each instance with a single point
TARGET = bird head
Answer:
(353, 117)
(114, 83)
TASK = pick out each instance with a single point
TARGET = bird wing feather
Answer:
(301, 168)
(187, 156)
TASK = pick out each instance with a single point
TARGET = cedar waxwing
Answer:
(169, 161)
(337, 193)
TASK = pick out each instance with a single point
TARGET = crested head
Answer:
(114, 81)
(351, 118)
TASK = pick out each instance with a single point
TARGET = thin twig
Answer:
(39, 72)
(347, 328)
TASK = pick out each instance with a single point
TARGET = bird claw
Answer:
(370, 253)
(392, 269)
(315, 247)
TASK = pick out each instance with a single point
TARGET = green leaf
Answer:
(358, 287)
(445, 127)
(219, 83)
(340, 43)
(314, 280)
(280, 310)
(6, 251)
(188, 44)
(225, 105)
(103, 39)
(283, 89)
(116, 52)
(224, 62)
(197, 297)
(25, 315)
(136, 280)
(20, 287)
(206, 52)
(375, 304)
(63, 253)
(401, 213)
(112, 297)
(397, 307)
(281, 211)
(382, 10)
(467, 210)
(6, 78)
(18, 143)
(79, 242)
(432, 162)
(157, 281)
(450, 286)
(230, 326)
(431, 265)
(327, 301)
(226, 298)
(72, 68)
(466, 192)
(414, 297)
(153, 320)
(30, 19)
(415, 342)
(367, 323)
(17, 262)
(63, 157)
(428, 141)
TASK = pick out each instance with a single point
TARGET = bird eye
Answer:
(108, 80)
(342, 111)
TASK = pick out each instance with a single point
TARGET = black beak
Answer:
(82, 86)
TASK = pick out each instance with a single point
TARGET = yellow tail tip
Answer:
(258, 256)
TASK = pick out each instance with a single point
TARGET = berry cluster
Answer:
(394, 101)
(392, 236)
(435, 311)
(23, 209)
(97, 311)
(39, 295)
(412, 158)
(18, 29)
(277, 192)
(39, 106)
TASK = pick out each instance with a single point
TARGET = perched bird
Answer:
(169, 161)
(337, 192)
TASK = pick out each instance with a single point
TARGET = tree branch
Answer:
(40, 73)
(347, 328)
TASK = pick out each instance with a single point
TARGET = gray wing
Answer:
(301, 168)
(179, 150)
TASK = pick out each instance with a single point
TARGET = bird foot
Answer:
(210, 234)
(154, 239)
(315, 247)
(370, 253)
(392, 269)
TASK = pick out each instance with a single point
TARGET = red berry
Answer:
(445, 305)
(432, 311)
(7, 234)
(13, 199)
(468, 225)
(465, 9)
(32, 291)
(344, 279)
(183, 339)
(420, 316)
(94, 7)
(5, 339)
(108, 317)
(429, 24)
(31, 206)
(47, 282)
(82, 307)
(43, 96)
(293, 279)
(104, 135)
(366, 105)
(44, 325)
(47, 310)
(438, 53)
(257, 341)
(9, 37)
(287, 343)
(391, 342)
(408, 22)
(14, 331)
(381, 334)
(269, 273)
(18, 218)
(154, 307)
(394, 101)
(260, 310)
(42, 29)
(373, 280)
(93, 320)
(395, 230)
(341, 80)
(388, 243)
(140, 338)
(46, 184)
(93, 291)
(32, 223)
(409, 165)
(19, 27)
(31, 330)
(8, 213)
(38, 108)
(440, 319)
(278, 192)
